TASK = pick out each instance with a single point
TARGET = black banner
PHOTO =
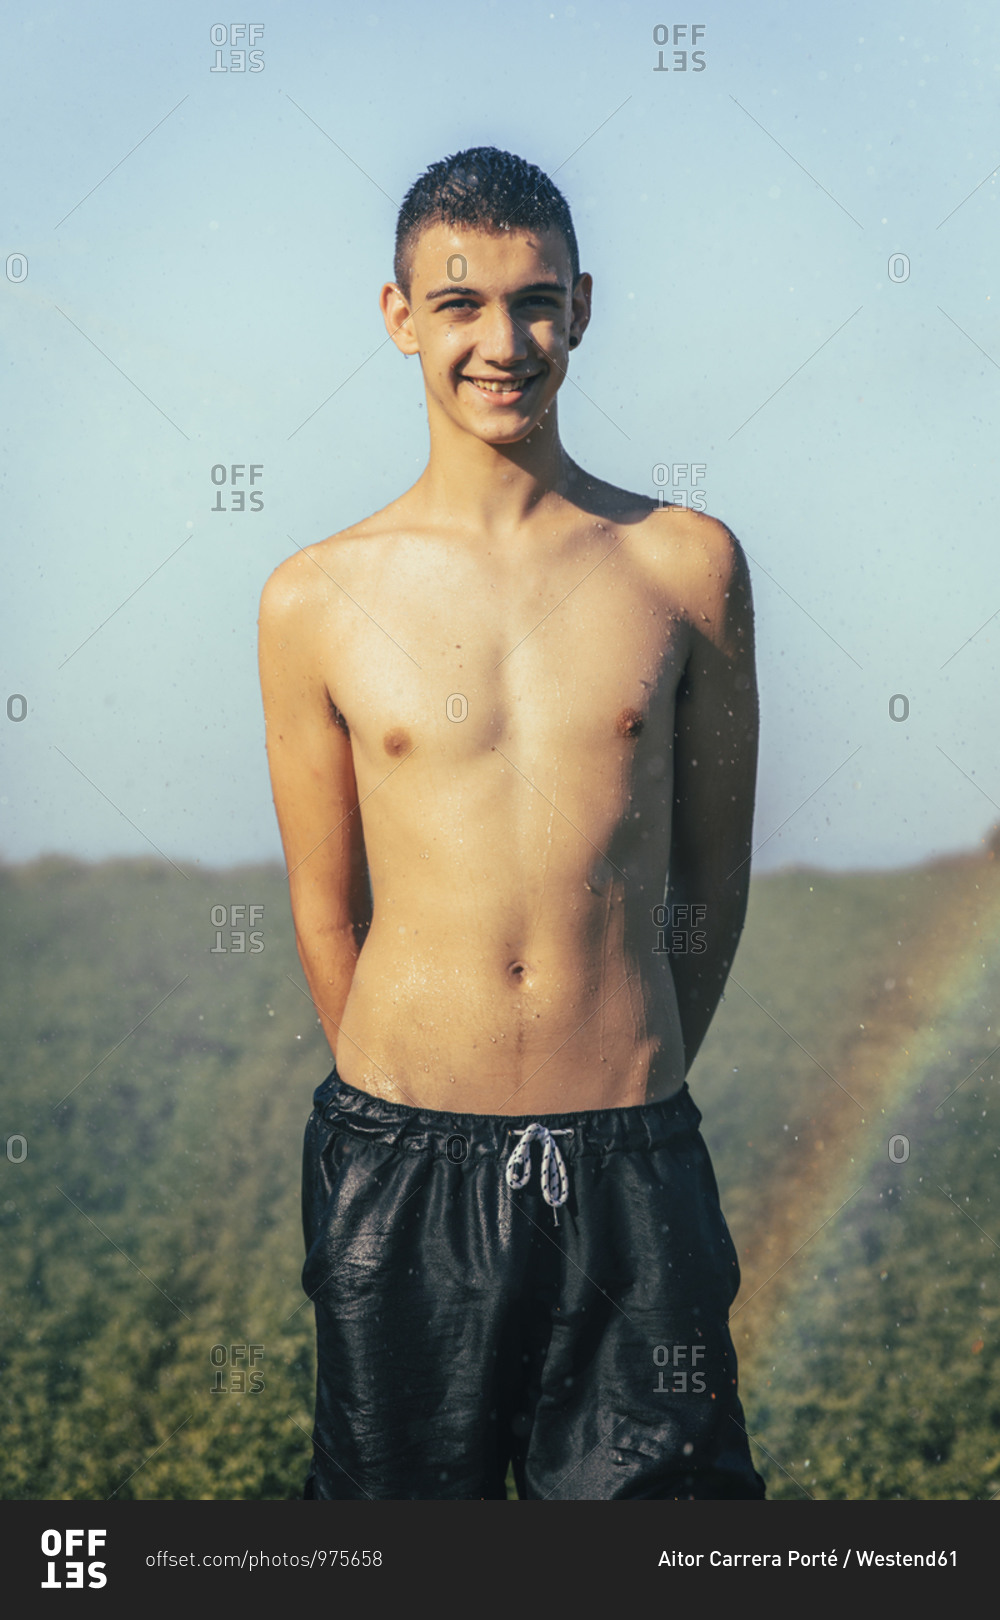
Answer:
(389, 1552)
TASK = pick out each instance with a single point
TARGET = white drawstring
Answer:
(555, 1181)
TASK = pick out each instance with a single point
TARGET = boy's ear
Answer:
(581, 307)
(397, 316)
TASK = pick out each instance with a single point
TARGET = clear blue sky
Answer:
(204, 254)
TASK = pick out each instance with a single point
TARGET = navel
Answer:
(396, 741)
(629, 723)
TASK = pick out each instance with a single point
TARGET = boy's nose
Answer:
(500, 339)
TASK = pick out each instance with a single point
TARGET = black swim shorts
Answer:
(551, 1292)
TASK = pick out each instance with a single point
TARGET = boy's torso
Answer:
(511, 714)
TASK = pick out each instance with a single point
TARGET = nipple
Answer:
(396, 741)
(629, 723)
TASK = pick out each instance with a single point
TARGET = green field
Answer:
(153, 1094)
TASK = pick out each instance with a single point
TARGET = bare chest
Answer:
(457, 657)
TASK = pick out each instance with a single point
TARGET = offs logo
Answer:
(65, 1560)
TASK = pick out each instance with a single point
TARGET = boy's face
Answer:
(491, 318)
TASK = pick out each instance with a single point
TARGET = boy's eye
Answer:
(468, 303)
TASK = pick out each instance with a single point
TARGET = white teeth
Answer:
(497, 387)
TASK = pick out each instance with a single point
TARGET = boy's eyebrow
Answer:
(461, 287)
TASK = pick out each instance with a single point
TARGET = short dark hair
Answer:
(488, 190)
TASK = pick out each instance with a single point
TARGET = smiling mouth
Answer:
(506, 386)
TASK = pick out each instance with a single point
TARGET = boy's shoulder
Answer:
(690, 557)
(705, 545)
(678, 539)
(308, 575)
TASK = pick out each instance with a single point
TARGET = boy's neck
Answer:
(494, 491)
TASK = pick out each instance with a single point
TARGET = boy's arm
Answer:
(715, 773)
(315, 793)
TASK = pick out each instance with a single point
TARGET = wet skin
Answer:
(539, 689)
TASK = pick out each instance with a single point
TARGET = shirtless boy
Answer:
(499, 713)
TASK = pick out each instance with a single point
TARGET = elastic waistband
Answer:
(428, 1130)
